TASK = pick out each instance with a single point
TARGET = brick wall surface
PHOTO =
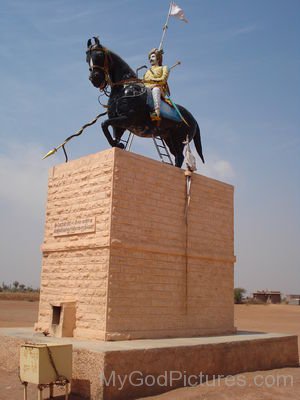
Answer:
(75, 267)
(168, 275)
(147, 270)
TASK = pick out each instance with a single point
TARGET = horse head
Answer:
(97, 58)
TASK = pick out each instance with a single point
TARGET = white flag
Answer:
(177, 12)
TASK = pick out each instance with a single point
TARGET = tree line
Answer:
(16, 286)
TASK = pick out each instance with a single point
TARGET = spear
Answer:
(51, 152)
(78, 133)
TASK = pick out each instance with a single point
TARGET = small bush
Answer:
(239, 295)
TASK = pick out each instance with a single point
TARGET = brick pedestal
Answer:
(120, 254)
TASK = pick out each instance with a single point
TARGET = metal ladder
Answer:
(160, 146)
(162, 150)
(128, 141)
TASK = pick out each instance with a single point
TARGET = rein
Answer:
(125, 81)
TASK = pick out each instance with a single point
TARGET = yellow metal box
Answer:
(39, 361)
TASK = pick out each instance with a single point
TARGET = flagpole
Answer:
(165, 27)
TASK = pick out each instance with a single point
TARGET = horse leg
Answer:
(179, 158)
(118, 133)
(109, 122)
(176, 149)
(170, 143)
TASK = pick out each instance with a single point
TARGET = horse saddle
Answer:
(166, 110)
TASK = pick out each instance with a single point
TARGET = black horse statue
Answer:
(128, 108)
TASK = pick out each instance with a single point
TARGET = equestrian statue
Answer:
(139, 105)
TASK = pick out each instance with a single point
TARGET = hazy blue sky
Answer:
(239, 77)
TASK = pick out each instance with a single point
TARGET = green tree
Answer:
(239, 295)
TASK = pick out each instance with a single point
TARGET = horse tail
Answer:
(197, 142)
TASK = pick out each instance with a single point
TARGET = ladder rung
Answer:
(127, 142)
(163, 154)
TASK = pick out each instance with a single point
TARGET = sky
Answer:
(239, 76)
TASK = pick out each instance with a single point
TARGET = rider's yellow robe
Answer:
(157, 76)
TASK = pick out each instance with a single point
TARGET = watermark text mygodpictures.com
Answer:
(180, 379)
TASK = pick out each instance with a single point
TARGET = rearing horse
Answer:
(128, 108)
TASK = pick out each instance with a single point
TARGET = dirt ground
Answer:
(279, 318)
(281, 384)
(14, 313)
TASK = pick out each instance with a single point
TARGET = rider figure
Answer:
(156, 79)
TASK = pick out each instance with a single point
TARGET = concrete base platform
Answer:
(139, 368)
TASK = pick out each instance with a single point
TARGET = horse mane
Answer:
(119, 68)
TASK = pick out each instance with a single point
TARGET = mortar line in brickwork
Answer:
(230, 259)
(173, 253)
(46, 251)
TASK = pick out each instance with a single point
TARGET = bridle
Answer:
(106, 67)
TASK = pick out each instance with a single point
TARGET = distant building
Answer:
(267, 296)
(293, 299)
